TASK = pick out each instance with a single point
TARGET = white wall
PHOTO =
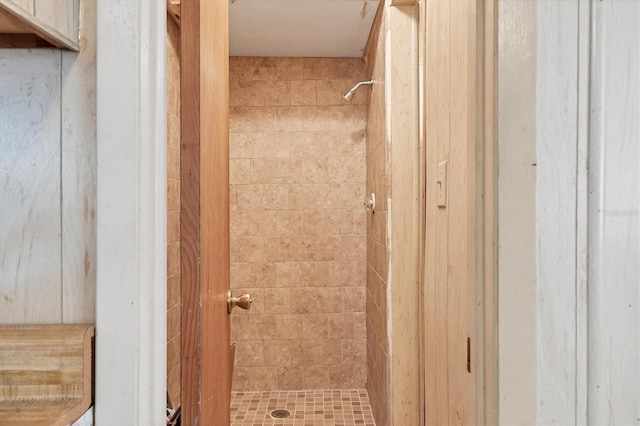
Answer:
(588, 208)
(47, 182)
(517, 277)
(614, 209)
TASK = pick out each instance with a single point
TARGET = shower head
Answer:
(349, 95)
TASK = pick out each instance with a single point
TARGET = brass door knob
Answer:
(243, 302)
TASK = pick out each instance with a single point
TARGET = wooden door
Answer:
(206, 358)
(452, 194)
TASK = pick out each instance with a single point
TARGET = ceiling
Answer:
(308, 28)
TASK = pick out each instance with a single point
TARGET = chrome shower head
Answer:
(349, 95)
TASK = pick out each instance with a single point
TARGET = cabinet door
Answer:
(26, 5)
(61, 15)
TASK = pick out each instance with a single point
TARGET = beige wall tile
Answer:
(264, 170)
(239, 119)
(263, 222)
(289, 69)
(263, 327)
(289, 222)
(264, 68)
(272, 145)
(323, 118)
(240, 68)
(242, 145)
(290, 326)
(322, 352)
(331, 92)
(341, 274)
(240, 225)
(354, 351)
(263, 274)
(277, 93)
(328, 68)
(249, 354)
(263, 119)
(360, 221)
(298, 229)
(316, 170)
(283, 352)
(239, 171)
(250, 197)
(346, 376)
(289, 119)
(250, 93)
(340, 326)
(315, 326)
(340, 222)
(276, 197)
(247, 249)
(303, 92)
(315, 377)
(289, 378)
(354, 299)
(277, 301)
(254, 378)
(240, 327)
(307, 197)
(314, 222)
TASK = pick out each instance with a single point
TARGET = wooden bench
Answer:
(45, 374)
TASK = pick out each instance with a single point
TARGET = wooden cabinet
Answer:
(31, 23)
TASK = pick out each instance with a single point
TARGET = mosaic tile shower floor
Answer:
(308, 408)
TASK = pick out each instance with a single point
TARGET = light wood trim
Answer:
(422, 37)
(490, 215)
(372, 41)
(404, 220)
(206, 379)
(214, 210)
(403, 2)
(428, 302)
(32, 24)
(190, 209)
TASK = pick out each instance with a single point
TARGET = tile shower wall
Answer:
(298, 226)
(377, 257)
(173, 211)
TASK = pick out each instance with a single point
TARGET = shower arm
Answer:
(362, 83)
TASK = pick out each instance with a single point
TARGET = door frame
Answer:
(204, 213)
(130, 354)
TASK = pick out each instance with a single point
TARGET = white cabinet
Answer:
(30, 23)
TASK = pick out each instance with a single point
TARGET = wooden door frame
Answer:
(488, 320)
(486, 358)
(130, 356)
(204, 216)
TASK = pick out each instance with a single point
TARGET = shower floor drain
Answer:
(280, 414)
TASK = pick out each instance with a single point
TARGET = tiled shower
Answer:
(298, 224)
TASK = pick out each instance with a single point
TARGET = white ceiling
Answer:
(309, 28)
